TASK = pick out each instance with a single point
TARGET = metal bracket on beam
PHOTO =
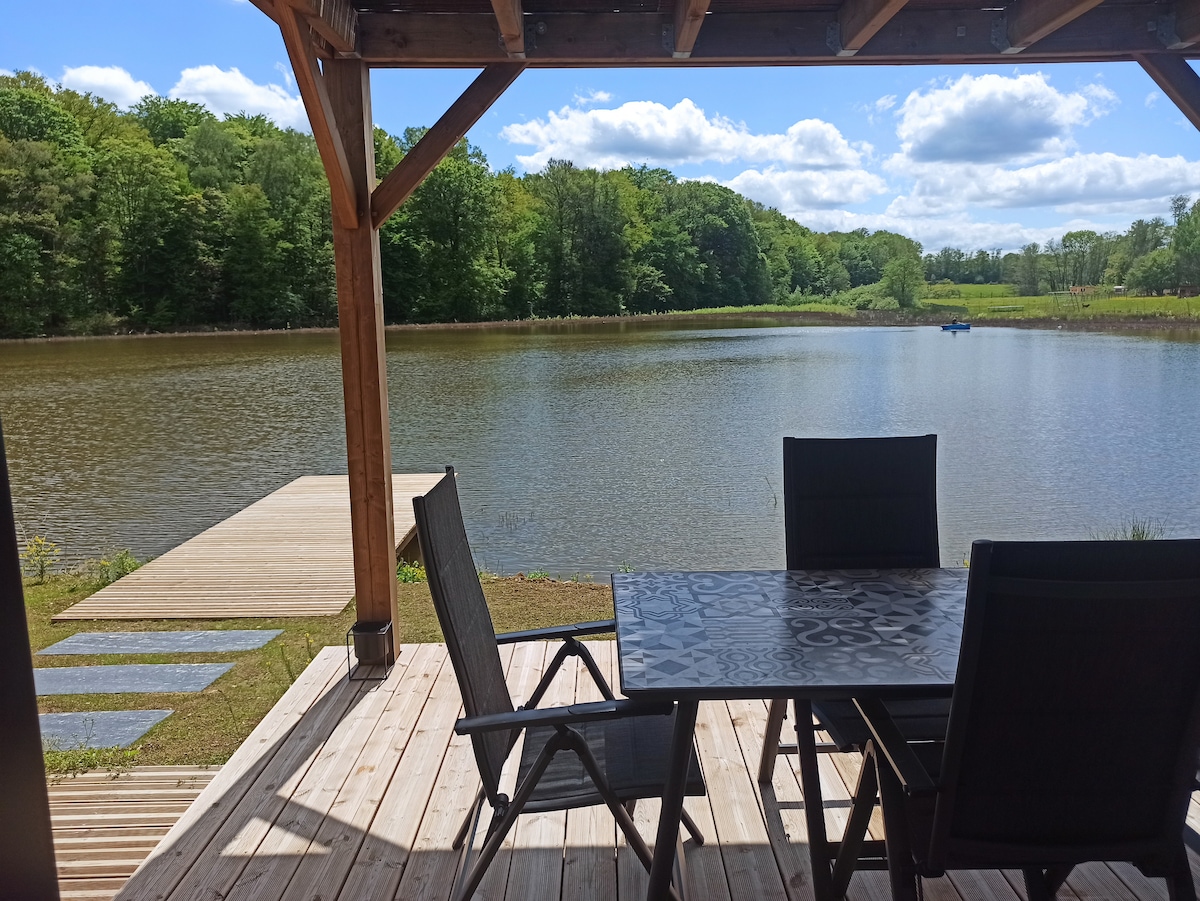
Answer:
(668, 39)
(833, 40)
(532, 31)
(1000, 36)
(1167, 35)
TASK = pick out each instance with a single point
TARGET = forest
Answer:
(165, 217)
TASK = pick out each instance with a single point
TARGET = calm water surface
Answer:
(583, 449)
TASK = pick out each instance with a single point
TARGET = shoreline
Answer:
(1100, 323)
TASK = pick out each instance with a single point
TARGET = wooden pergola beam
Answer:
(1187, 21)
(914, 36)
(399, 184)
(689, 18)
(310, 81)
(510, 17)
(1031, 20)
(860, 20)
(1178, 81)
(334, 20)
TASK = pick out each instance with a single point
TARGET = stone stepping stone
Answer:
(131, 677)
(97, 729)
(209, 641)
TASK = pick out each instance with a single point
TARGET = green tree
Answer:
(165, 119)
(1154, 273)
(903, 279)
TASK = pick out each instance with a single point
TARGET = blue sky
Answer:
(972, 157)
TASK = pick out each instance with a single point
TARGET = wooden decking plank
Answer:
(781, 803)
(589, 870)
(343, 831)
(382, 859)
(432, 863)
(745, 845)
(982, 885)
(539, 838)
(225, 794)
(288, 554)
(292, 835)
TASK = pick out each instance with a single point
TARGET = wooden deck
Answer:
(106, 823)
(288, 554)
(353, 790)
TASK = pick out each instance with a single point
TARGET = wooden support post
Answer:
(440, 140)
(1178, 81)
(364, 366)
(510, 17)
(1187, 22)
(26, 845)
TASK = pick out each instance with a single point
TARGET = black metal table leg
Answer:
(814, 810)
(672, 802)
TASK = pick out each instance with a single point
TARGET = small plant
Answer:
(79, 758)
(109, 568)
(308, 646)
(410, 572)
(1135, 528)
(625, 568)
(537, 575)
(39, 557)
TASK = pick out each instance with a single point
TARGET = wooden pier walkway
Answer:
(353, 790)
(288, 554)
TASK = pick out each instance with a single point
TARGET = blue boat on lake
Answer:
(956, 326)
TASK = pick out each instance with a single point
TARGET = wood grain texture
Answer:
(289, 554)
(349, 791)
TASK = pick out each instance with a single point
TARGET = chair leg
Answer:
(1057, 875)
(470, 821)
(856, 828)
(902, 872)
(1180, 886)
(770, 750)
(1035, 884)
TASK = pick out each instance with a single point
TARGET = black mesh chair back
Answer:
(465, 620)
(1075, 724)
(860, 503)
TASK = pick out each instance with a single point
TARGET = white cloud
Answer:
(796, 193)
(591, 97)
(230, 92)
(112, 83)
(648, 132)
(5, 73)
(1082, 183)
(1152, 99)
(991, 118)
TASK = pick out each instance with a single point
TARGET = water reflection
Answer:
(582, 447)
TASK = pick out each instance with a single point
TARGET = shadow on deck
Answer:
(354, 790)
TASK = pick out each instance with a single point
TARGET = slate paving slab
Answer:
(207, 641)
(132, 677)
(97, 728)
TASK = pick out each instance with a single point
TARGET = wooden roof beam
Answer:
(689, 17)
(310, 81)
(399, 184)
(1178, 81)
(1028, 21)
(915, 35)
(334, 20)
(1187, 23)
(859, 21)
(511, 19)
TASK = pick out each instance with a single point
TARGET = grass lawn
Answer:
(208, 726)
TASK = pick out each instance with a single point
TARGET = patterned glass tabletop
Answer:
(775, 633)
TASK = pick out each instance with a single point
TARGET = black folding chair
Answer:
(1075, 726)
(618, 748)
(858, 503)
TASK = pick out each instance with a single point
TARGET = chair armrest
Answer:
(913, 777)
(574, 630)
(562, 716)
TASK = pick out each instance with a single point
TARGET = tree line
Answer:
(165, 217)
(1151, 257)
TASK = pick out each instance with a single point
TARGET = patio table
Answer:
(804, 635)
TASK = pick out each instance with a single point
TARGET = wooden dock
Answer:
(106, 823)
(288, 554)
(352, 790)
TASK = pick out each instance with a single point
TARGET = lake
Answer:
(582, 448)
